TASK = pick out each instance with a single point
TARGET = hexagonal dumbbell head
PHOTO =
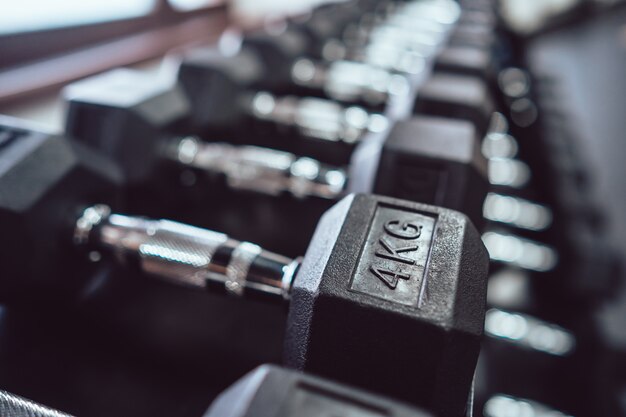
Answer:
(214, 83)
(279, 51)
(326, 22)
(456, 96)
(45, 180)
(124, 113)
(270, 391)
(426, 159)
(391, 297)
(467, 61)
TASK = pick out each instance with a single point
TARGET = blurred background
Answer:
(45, 45)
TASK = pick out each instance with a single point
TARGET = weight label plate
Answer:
(395, 257)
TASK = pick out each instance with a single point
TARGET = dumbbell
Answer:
(224, 95)
(115, 126)
(422, 159)
(216, 87)
(461, 60)
(533, 358)
(291, 70)
(271, 391)
(402, 30)
(290, 66)
(386, 40)
(578, 267)
(380, 274)
(395, 40)
(536, 358)
(267, 391)
(458, 96)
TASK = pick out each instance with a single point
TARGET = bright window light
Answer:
(187, 5)
(30, 15)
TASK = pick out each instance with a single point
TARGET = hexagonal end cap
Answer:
(391, 297)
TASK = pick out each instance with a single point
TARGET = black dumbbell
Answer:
(291, 70)
(532, 358)
(271, 391)
(461, 60)
(224, 95)
(380, 275)
(458, 96)
(409, 24)
(470, 38)
(578, 267)
(588, 271)
(217, 90)
(267, 391)
(328, 21)
(423, 159)
(411, 28)
(43, 180)
(291, 56)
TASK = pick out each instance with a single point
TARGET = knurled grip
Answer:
(13, 406)
(186, 255)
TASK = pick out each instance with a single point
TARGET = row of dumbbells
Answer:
(389, 289)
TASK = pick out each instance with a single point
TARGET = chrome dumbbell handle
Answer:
(350, 80)
(187, 255)
(262, 170)
(317, 118)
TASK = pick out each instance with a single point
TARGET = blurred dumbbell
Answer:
(224, 95)
(404, 39)
(532, 358)
(399, 275)
(291, 70)
(456, 96)
(270, 391)
(267, 391)
(397, 36)
(223, 92)
(422, 159)
(563, 365)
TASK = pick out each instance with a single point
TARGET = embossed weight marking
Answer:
(395, 256)
(388, 277)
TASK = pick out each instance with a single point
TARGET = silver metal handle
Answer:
(262, 170)
(187, 255)
(14, 406)
(351, 81)
(317, 118)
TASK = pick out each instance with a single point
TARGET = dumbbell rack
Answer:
(130, 345)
